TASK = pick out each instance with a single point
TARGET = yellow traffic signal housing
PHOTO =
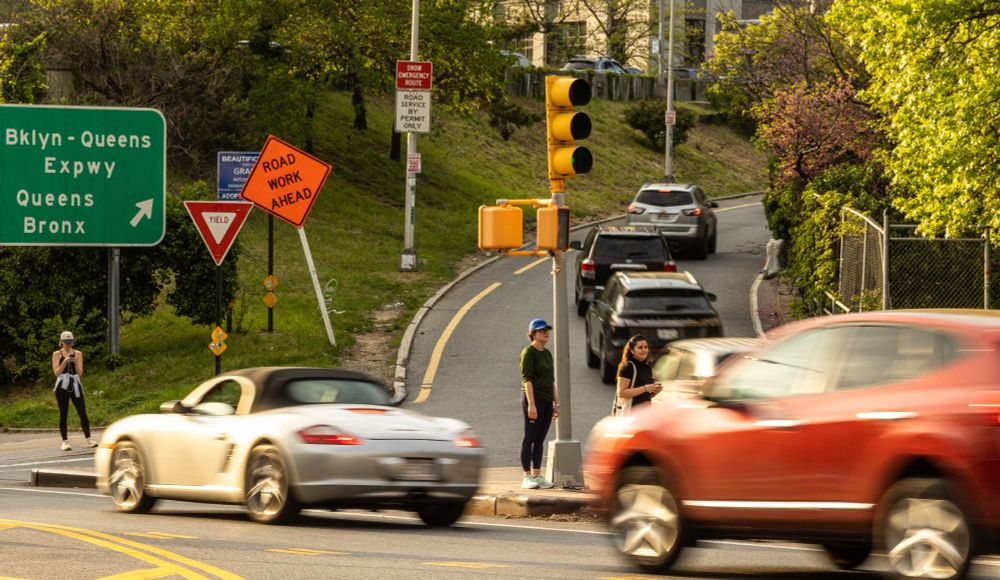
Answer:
(553, 228)
(565, 126)
(500, 227)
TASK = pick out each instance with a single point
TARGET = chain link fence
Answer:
(891, 267)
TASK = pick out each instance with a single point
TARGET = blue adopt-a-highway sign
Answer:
(234, 168)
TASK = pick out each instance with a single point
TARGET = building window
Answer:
(526, 46)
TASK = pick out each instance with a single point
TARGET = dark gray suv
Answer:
(681, 212)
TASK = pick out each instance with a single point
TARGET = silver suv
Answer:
(681, 212)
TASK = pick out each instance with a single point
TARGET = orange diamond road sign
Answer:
(285, 181)
(218, 222)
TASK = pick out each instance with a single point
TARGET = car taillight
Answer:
(693, 212)
(327, 435)
(636, 210)
(669, 267)
(989, 411)
(588, 269)
(467, 439)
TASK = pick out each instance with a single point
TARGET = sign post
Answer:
(285, 183)
(218, 222)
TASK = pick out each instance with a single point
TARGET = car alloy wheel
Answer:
(267, 491)
(127, 480)
(645, 520)
(924, 531)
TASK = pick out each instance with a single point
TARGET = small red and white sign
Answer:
(413, 163)
(671, 117)
(414, 75)
(218, 222)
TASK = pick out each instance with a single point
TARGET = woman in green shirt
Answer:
(539, 402)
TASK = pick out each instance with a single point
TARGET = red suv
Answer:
(855, 432)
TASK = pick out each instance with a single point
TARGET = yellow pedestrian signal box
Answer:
(500, 227)
(564, 127)
(553, 228)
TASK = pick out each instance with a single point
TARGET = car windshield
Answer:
(579, 65)
(667, 301)
(625, 247)
(663, 198)
(336, 391)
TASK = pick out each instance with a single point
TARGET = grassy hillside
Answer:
(355, 231)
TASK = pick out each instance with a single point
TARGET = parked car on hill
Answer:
(279, 439)
(611, 248)
(661, 306)
(682, 212)
(855, 432)
(516, 58)
(601, 64)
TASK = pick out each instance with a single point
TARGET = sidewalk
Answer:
(500, 492)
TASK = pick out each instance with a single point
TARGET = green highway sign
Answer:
(82, 176)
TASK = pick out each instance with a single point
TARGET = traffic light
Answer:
(553, 228)
(500, 227)
(565, 126)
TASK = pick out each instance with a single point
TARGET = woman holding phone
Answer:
(67, 364)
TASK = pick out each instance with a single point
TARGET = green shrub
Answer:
(647, 117)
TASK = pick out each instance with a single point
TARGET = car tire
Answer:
(581, 306)
(645, 520)
(699, 249)
(608, 369)
(267, 490)
(440, 515)
(848, 555)
(127, 480)
(924, 530)
(713, 241)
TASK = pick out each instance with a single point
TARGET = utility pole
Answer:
(408, 259)
(668, 163)
(659, 47)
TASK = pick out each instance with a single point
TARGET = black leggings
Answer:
(63, 397)
(535, 430)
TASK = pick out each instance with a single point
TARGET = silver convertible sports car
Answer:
(279, 439)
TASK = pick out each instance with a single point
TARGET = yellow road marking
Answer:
(159, 535)
(738, 207)
(141, 574)
(473, 565)
(531, 265)
(129, 548)
(425, 386)
(306, 552)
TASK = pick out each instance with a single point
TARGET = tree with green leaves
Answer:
(934, 68)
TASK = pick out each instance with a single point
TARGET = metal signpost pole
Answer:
(218, 313)
(114, 298)
(668, 166)
(408, 259)
(270, 266)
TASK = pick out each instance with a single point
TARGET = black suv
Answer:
(609, 249)
(660, 306)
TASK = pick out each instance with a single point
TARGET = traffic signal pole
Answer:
(408, 259)
(668, 163)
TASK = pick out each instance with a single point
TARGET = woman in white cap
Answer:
(67, 364)
(539, 402)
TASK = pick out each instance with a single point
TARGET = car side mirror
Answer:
(173, 407)
(713, 204)
(575, 245)
(711, 297)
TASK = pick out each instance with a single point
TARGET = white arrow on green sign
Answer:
(82, 176)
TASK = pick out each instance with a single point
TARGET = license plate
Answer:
(417, 470)
(666, 333)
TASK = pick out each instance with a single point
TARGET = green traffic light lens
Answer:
(582, 160)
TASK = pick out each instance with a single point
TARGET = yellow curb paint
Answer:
(531, 265)
(425, 386)
(717, 210)
(472, 565)
(129, 548)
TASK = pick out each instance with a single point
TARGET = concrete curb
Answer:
(63, 478)
(522, 505)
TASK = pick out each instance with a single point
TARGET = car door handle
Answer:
(886, 415)
(779, 423)
(219, 436)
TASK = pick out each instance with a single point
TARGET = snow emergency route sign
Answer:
(285, 181)
(218, 222)
(414, 75)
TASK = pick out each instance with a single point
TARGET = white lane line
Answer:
(30, 490)
(758, 327)
(88, 459)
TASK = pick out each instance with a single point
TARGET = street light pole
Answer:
(668, 164)
(408, 259)
(659, 47)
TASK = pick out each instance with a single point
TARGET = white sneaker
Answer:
(91, 443)
(65, 446)
(542, 482)
(529, 483)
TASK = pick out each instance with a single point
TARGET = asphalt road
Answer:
(475, 376)
(59, 534)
